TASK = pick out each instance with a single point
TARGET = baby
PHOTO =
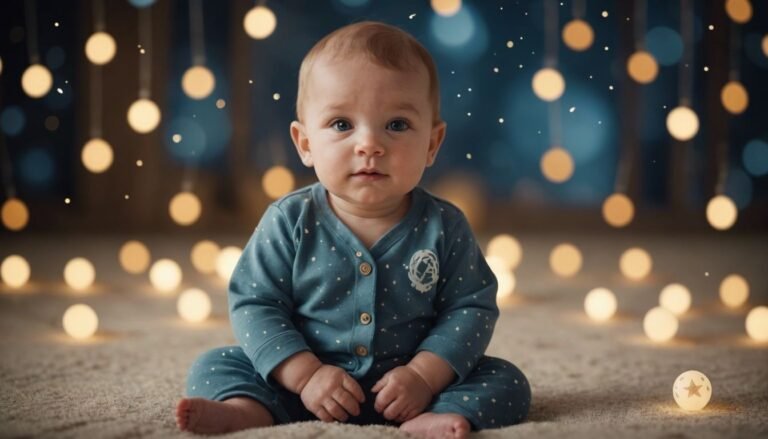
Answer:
(361, 298)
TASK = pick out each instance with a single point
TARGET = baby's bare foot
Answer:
(437, 426)
(204, 416)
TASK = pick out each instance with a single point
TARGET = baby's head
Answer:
(368, 111)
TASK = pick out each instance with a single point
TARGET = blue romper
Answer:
(306, 282)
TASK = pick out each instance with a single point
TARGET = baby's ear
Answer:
(435, 140)
(301, 141)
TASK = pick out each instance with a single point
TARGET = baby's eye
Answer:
(341, 125)
(398, 125)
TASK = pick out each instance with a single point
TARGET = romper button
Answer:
(358, 254)
(365, 318)
(361, 350)
(365, 268)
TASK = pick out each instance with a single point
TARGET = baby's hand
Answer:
(403, 394)
(331, 394)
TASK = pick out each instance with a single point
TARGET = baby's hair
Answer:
(385, 45)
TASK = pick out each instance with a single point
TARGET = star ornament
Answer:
(692, 390)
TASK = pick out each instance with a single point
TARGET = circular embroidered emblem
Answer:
(424, 270)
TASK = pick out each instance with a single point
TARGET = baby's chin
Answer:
(370, 198)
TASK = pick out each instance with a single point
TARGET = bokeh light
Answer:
(15, 214)
(740, 11)
(198, 82)
(194, 305)
(757, 323)
(660, 324)
(165, 275)
(260, 22)
(466, 193)
(734, 291)
(185, 208)
(80, 321)
(79, 273)
(578, 35)
(504, 277)
(37, 167)
(682, 123)
(755, 157)
(203, 256)
(143, 116)
(734, 97)
(692, 390)
(635, 263)
(618, 210)
(764, 46)
(676, 298)
(446, 8)
(12, 120)
(457, 30)
(97, 155)
(277, 181)
(15, 271)
(721, 212)
(642, 67)
(565, 260)
(548, 84)
(507, 248)
(226, 261)
(36, 81)
(557, 165)
(665, 45)
(141, 3)
(100, 48)
(600, 304)
(134, 257)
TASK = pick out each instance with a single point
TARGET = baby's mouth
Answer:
(369, 175)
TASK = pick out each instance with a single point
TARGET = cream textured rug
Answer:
(588, 380)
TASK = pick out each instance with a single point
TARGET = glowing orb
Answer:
(660, 324)
(721, 212)
(557, 165)
(600, 304)
(734, 291)
(204, 255)
(682, 123)
(80, 321)
(15, 214)
(194, 305)
(165, 275)
(565, 260)
(757, 323)
(692, 390)
(618, 210)
(143, 116)
(578, 35)
(635, 263)
(446, 8)
(134, 257)
(198, 82)
(36, 81)
(548, 84)
(79, 273)
(100, 48)
(507, 248)
(15, 271)
(260, 22)
(740, 11)
(765, 45)
(734, 97)
(277, 181)
(185, 208)
(1, 61)
(642, 67)
(226, 261)
(675, 298)
(504, 277)
(97, 155)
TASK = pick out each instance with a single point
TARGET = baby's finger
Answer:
(379, 385)
(323, 415)
(354, 388)
(347, 401)
(335, 410)
(383, 399)
(394, 410)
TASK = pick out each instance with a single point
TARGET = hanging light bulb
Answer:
(578, 35)
(682, 123)
(185, 208)
(734, 97)
(100, 48)
(15, 214)
(198, 82)
(721, 212)
(557, 165)
(97, 155)
(277, 181)
(618, 210)
(36, 81)
(260, 22)
(548, 84)
(642, 67)
(143, 116)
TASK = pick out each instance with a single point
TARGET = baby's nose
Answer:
(368, 144)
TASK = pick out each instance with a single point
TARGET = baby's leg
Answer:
(204, 416)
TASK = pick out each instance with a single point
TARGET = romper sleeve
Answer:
(260, 298)
(465, 304)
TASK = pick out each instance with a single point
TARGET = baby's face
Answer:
(367, 130)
